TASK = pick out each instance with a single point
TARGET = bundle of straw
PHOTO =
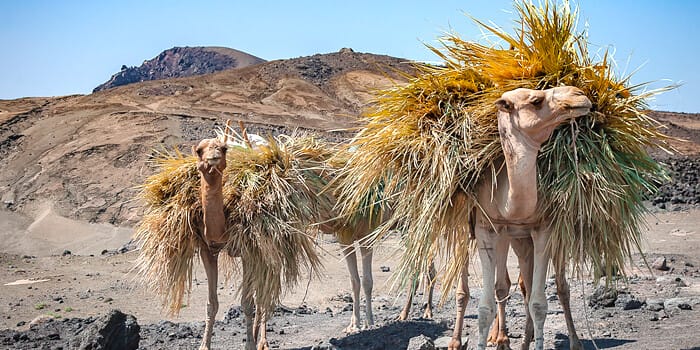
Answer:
(429, 142)
(270, 197)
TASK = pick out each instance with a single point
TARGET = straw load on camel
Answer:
(269, 199)
(434, 146)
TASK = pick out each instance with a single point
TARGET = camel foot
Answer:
(263, 345)
(403, 316)
(428, 313)
(456, 344)
(351, 329)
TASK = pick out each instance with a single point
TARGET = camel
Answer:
(507, 208)
(211, 162)
(348, 234)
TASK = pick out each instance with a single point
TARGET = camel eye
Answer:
(503, 105)
(537, 102)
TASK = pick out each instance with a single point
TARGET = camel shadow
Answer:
(394, 335)
(562, 342)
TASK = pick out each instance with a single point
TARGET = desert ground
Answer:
(59, 274)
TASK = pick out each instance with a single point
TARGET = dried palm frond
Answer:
(170, 230)
(431, 140)
(272, 200)
(269, 200)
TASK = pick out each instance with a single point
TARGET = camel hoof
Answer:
(428, 314)
(455, 344)
(351, 329)
(402, 317)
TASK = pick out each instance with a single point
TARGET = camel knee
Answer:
(213, 306)
(462, 298)
(538, 310)
(487, 313)
(367, 283)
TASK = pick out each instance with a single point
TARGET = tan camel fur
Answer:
(507, 213)
(348, 234)
(211, 162)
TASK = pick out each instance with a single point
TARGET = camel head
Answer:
(536, 113)
(211, 155)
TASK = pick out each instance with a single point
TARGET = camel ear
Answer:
(503, 105)
(194, 152)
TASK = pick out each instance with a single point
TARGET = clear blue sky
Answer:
(51, 48)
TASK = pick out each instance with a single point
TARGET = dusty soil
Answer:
(74, 288)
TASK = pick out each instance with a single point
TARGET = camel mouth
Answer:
(213, 161)
(575, 112)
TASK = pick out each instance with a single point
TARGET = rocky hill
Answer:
(182, 62)
(82, 156)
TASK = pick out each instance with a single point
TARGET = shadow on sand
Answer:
(562, 343)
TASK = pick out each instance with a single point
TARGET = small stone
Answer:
(420, 342)
(655, 304)
(660, 264)
(678, 303)
(66, 252)
(671, 280)
(384, 269)
(602, 297)
(443, 342)
(628, 302)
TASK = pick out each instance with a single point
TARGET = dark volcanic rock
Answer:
(684, 187)
(114, 331)
(602, 297)
(181, 62)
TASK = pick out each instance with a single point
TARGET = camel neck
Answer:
(520, 155)
(213, 208)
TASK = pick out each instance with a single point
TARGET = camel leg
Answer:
(462, 298)
(538, 299)
(564, 294)
(248, 306)
(409, 296)
(493, 334)
(413, 287)
(524, 250)
(502, 294)
(210, 262)
(488, 250)
(430, 278)
(367, 283)
(261, 326)
(351, 260)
